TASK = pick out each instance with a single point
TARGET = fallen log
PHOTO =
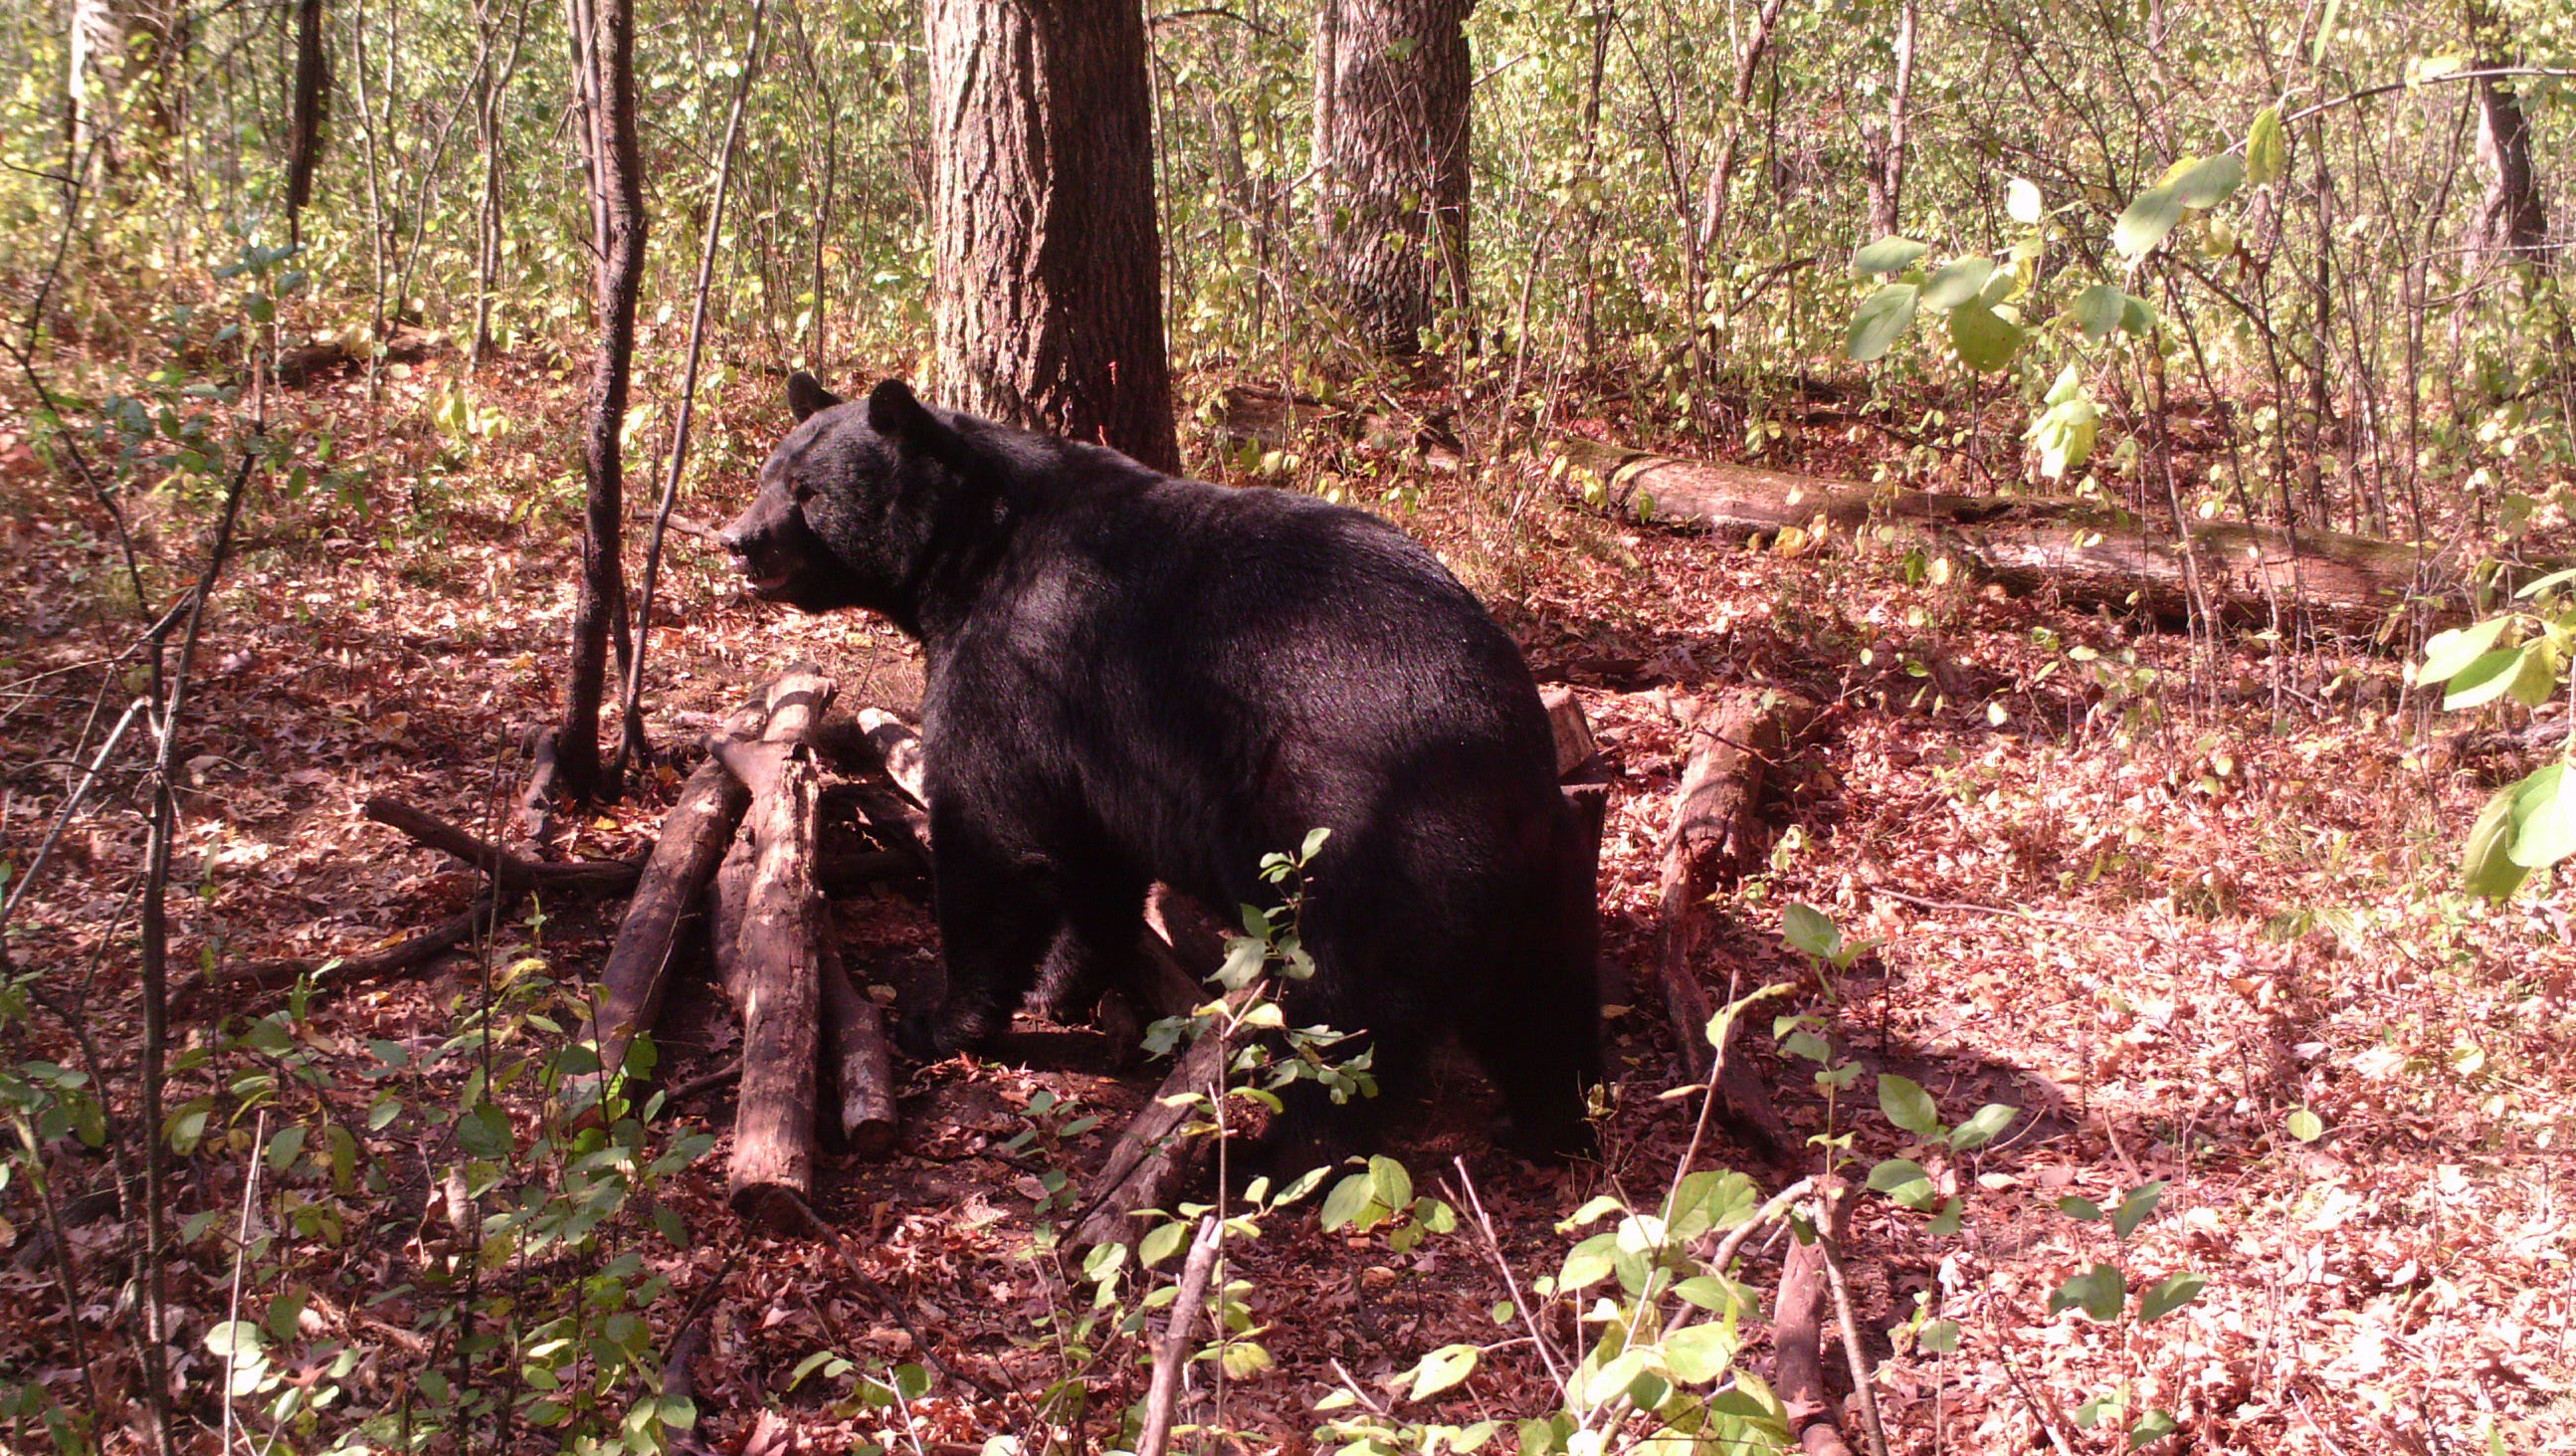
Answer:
(667, 899)
(1797, 1334)
(337, 972)
(862, 1068)
(512, 874)
(2087, 552)
(1163, 1148)
(1714, 837)
(536, 797)
(779, 957)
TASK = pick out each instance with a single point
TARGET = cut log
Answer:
(2086, 552)
(668, 898)
(536, 798)
(1797, 1335)
(862, 1068)
(1573, 732)
(1158, 1156)
(1714, 837)
(511, 873)
(898, 747)
(779, 957)
(666, 902)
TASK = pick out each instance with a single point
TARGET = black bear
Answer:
(1132, 677)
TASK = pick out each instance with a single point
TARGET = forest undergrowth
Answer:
(2187, 905)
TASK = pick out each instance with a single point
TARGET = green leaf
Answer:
(2163, 1299)
(1803, 1043)
(2545, 808)
(1985, 339)
(1938, 1337)
(1908, 1105)
(1441, 1369)
(1587, 1263)
(1700, 1353)
(484, 1131)
(2081, 1209)
(2533, 589)
(2021, 200)
(1957, 282)
(283, 1148)
(2135, 319)
(1160, 1243)
(2535, 680)
(2098, 1291)
(2486, 860)
(1895, 1173)
(1346, 1201)
(1394, 1185)
(2211, 182)
(1887, 255)
(2484, 680)
(2266, 153)
(2155, 1425)
(1985, 1127)
(2306, 1126)
(1719, 1296)
(2146, 222)
(2097, 311)
(1810, 933)
(2137, 1208)
(1880, 320)
(2446, 653)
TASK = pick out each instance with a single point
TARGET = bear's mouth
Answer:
(768, 586)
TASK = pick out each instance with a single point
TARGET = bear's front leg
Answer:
(998, 912)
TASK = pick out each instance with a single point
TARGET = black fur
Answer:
(1132, 678)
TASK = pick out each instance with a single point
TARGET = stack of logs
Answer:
(738, 853)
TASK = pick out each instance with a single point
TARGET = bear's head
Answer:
(850, 503)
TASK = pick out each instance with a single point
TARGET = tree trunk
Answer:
(1042, 218)
(2512, 224)
(307, 108)
(619, 200)
(1392, 82)
(1721, 176)
(781, 955)
(1887, 177)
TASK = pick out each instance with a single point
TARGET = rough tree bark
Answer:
(1049, 274)
(2512, 224)
(308, 107)
(1392, 82)
(618, 198)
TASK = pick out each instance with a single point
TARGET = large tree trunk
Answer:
(618, 200)
(1392, 79)
(1042, 218)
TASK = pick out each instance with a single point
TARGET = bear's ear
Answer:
(806, 394)
(896, 413)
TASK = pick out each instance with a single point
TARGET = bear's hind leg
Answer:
(998, 914)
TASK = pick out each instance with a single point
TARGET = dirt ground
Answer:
(2159, 897)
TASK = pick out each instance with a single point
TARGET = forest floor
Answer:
(2158, 896)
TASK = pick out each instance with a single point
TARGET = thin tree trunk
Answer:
(1392, 84)
(1887, 178)
(1042, 216)
(1721, 177)
(619, 199)
(307, 110)
(630, 740)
